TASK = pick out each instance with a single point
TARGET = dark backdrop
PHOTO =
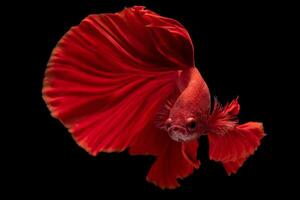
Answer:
(233, 44)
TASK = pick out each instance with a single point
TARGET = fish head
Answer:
(183, 129)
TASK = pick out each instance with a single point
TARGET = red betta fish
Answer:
(128, 80)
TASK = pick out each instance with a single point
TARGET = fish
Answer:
(128, 81)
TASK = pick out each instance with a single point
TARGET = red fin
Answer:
(232, 144)
(236, 145)
(170, 165)
(233, 166)
(189, 151)
(164, 111)
(152, 141)
(106, 78)
(223, 119)
(174, 160)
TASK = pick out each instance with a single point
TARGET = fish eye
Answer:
(191, 123)
(168, 123)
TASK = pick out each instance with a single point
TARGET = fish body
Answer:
(191, 107)
(128, 80)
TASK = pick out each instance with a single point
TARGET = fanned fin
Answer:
(108, 77)
(174, 160)
(106, 80)
(229, 142)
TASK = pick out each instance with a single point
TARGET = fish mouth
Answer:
(180, 134)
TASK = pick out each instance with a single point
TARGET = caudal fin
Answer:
(108, 77)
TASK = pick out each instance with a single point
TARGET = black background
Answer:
(233, 50)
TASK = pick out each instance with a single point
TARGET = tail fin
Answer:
(108, 76)
(229, 142)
